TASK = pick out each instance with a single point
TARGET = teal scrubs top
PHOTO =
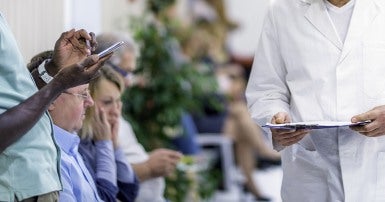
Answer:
(29, 167)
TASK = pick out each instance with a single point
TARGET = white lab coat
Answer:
(301, 67)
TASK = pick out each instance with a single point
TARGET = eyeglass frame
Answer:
(83, 96)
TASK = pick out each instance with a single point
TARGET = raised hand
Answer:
(80, 73)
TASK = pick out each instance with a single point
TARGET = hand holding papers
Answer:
(314, 125)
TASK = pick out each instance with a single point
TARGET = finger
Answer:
(83, 34)
(67, 35)
(281, 117)
(281, 136)
(96, 75)
(88, 62)
(175, 155)
(370, 115)
(292, 141)
(80, 45)
(173, 163)
(103, 115)
(278, 118)
(92, 68)
(373, 133)
(93, 41)
(294, 135)
(87, 39)
(282, 131)
(366, 128)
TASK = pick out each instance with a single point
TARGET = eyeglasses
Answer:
(84, 95)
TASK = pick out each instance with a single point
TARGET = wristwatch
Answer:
(43, 74)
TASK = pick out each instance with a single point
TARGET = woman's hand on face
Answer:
(115, 133)
(101, 126)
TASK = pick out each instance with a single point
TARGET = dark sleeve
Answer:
(107, 191)
(128, 191)
(127, 180)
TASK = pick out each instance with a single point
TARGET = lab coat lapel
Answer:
(317, 15)
(363, 15)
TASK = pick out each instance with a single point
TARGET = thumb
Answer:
(281, 117)
(88, 62)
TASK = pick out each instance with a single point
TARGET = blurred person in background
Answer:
(206, 43)
(149, 167)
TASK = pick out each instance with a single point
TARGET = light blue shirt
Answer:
(78, 184)
(28, 167)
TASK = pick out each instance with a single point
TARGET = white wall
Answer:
(36, 24)
(116, 13)
(249, 14)
(83, 14)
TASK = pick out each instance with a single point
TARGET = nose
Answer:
(89, 101)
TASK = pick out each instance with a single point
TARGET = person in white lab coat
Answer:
(321, 60)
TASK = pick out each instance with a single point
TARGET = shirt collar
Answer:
(67, 141)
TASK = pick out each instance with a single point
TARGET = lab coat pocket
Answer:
(380, 187)
(305, 173)
(307, 158)
(308, 163)
(374, 69)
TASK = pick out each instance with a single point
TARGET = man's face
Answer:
(68, 110)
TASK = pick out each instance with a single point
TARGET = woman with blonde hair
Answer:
(99, 134)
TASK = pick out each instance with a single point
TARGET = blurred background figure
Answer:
(207, 43)
(149, 167)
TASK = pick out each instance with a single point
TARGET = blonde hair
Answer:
(108, 74)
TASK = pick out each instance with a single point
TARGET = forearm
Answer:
(105, 161)
(17, 121)
(125, 172)
(142, 171)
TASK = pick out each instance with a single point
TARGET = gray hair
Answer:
(106, 40)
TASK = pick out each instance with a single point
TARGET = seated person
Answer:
(100, 136)
(67, 112)
(150, 168)
(235, 122)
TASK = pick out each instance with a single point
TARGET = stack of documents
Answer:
(314, 125)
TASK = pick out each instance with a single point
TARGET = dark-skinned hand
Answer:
(70, 48)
